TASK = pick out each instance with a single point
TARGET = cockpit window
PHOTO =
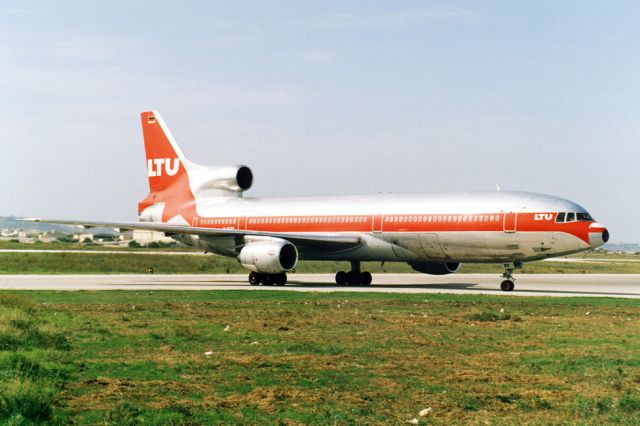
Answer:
(584, 217)
(563, 217)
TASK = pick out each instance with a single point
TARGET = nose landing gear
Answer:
(509, 281)
(354, 276)
(507, 285)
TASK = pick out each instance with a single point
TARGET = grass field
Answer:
(307, 358)
(126, 262)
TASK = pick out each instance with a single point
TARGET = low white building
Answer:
(83, 237)
(146, 237)
(8, 233)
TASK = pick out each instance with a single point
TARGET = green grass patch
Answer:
(237, 357)
(126, 262)
(34, 361)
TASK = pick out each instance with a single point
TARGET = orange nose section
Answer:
(598, 235)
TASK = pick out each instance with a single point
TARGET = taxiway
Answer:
(589, 285)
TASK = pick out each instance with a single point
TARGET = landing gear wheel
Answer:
(255, 278)
(341, 278)
(280, 279)
(365, 278)
(353, 278)
(268, 280)
(507, 285)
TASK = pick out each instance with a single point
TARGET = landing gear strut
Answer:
(354, 276)
(256, 278)
(508, 284)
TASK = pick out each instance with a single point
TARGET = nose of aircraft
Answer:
(598, 235)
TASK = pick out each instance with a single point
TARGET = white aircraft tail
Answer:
(177, 182)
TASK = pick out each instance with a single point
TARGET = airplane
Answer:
(204, 207)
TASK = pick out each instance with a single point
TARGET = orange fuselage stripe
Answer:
(485, 222)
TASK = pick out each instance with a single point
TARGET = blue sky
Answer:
(335, 97)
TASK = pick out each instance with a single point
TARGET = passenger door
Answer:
(510, 222)
(376, 223)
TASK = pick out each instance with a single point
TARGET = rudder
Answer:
(166, 165)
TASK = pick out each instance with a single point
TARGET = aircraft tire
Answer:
(341, 278)
(366, 278)
(255, 278)
(268, 280)
(280, 279)
(507, 285)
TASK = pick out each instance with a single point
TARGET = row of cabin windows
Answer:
(573, 217)
(357, 219)
(218, 221)
(314, 219)
(459, 218)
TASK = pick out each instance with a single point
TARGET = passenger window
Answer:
(560, 217)
(571, 217)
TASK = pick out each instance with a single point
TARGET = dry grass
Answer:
(291, 358)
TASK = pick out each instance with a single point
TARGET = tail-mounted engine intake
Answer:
(269, 257)
(216, 181)
(435, 268)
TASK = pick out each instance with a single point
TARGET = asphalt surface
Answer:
(199, 253)
(587, 285)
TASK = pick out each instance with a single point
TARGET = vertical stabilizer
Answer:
(165, 160)
(166, 168)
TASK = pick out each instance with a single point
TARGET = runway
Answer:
(564, 285)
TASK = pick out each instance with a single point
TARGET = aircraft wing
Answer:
(298, 238)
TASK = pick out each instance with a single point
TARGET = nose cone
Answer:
(598, 235)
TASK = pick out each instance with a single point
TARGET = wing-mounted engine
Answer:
(269, 256)
(435, 268)
(216, 181)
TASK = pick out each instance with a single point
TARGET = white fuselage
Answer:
(450, 227)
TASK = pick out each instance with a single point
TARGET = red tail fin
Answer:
(166, 169)
(164, 157)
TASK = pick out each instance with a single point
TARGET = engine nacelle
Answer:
(435, 268)
(211, 180)
(269, 257)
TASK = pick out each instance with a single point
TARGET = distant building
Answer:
(46, 238)
(8, 233)
(82, 237)
(146, 237)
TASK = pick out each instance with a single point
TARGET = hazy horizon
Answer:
(338, 97)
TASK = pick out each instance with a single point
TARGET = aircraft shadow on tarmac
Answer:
(460, 286)
(373, 287)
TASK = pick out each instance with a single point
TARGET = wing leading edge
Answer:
(345, 241)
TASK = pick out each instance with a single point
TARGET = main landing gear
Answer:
(508, 284)
(354, 276)
(256, 278)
